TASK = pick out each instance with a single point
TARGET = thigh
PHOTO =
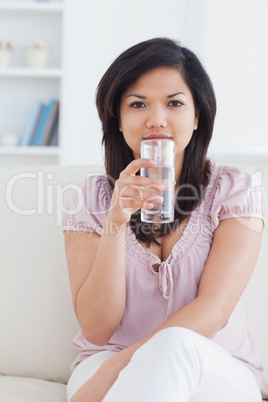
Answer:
(178, 365)
(227, 379)
(85, 370)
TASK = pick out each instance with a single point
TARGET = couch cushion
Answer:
(36, 314)
(19, 389)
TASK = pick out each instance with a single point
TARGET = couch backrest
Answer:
(36, 315)
(37, 323)
(255, 297)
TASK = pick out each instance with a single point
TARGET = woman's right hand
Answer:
(132, 192)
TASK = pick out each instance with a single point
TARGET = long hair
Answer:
(124, 71)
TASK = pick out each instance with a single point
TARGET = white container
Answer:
(5, 55)
(9, 139)
(37, 55)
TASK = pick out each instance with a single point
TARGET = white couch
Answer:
(37, 323)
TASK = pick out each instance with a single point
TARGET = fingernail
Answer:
(161, 199)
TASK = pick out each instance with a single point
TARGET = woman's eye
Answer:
(137, 104)
(175, 103)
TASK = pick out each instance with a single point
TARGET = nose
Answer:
(156, 119)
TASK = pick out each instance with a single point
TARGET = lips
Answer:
(157, 136)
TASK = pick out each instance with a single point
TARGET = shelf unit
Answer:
(14, 156)
(31, 6)
(26, 72)
(22, 22)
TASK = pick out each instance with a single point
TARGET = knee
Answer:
(176, 334)
(177, 339)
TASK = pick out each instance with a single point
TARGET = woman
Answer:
(158, 306)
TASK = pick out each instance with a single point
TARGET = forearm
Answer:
(200, 321)
(99, 295)
(101, 299)
(199, 316)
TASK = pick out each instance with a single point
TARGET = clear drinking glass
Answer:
(161, 151)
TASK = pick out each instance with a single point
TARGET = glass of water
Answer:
(161, 151)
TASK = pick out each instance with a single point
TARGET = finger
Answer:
(134, 166)
(141, 193)
(134, 205)
(139, 181)
(134, 198)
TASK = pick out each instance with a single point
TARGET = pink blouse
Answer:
(152, 297)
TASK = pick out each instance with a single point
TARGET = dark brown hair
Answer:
(124, 71)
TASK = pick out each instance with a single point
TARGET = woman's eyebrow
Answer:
(137, 96)
(177, 93)
(168, 96)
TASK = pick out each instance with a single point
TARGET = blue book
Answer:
(37, 123)
(43, 123)
(31, 124)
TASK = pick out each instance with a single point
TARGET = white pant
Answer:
(178, 365)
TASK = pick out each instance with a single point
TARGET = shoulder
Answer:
(87, 204)
(96, 189)
(235, 192)
(92, 192)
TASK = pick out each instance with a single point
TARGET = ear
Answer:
(119, 123)
(196, 120)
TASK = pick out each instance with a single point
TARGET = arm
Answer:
(97, 263)
(230, 264)
(96, 271)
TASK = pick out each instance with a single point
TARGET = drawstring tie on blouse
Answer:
(165, 279)
(166, 283)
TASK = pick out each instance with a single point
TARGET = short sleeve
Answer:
(238, 194)
(87, 205)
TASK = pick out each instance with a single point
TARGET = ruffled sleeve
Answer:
(238, 194)
(87, 205)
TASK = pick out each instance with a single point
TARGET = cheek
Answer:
(188, 123)
(125, 124)
(131, 127)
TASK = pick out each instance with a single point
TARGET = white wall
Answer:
(230, 37)
(235, 50)
(97, 32)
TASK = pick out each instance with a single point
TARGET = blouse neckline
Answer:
(188, 238)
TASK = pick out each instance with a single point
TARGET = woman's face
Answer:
(158, 104)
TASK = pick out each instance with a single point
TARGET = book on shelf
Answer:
(53, 141)
(32, 124)
(52, 124)
(38, 120)
(48, 124)
(42, 126)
